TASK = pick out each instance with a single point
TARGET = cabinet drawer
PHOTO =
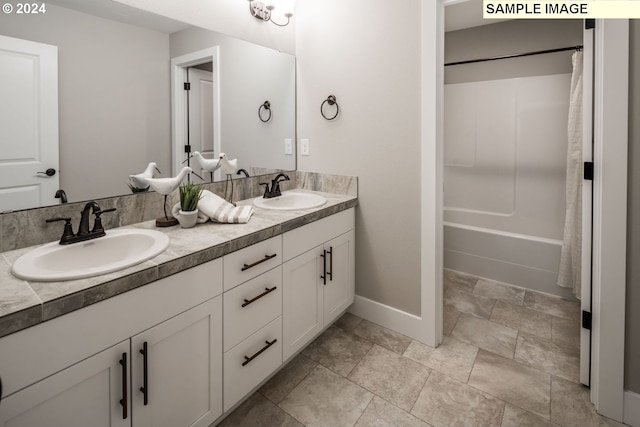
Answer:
(259, 360)
(300, 240)
(252, 305)
(251, 261)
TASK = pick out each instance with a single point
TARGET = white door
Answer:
(587, 204)
(86, 394)
(182, 376)
(340, 285)
(28, 124)
(201, 115)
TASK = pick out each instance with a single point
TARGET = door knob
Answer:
(48, 172)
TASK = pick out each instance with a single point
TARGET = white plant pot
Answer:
(187, 219)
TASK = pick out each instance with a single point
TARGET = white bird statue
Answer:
(139, 180)
(209, 165)
(166, 186)
(229, 167)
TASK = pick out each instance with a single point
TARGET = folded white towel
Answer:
(219, 210)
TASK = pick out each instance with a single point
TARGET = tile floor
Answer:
(510, 357)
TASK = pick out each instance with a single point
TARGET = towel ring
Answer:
(267, 107)
(331, 100)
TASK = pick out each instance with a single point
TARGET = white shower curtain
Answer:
(571, 255)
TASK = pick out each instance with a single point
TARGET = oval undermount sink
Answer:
(290, 200)
(117, 250)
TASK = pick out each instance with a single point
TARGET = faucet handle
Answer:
(67, 234)
(266, 189)
(97, 223)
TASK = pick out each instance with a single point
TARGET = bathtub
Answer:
(526, 261)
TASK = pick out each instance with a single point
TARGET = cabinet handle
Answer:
(248, 359)
(145, 381)
(330, 272)
(324, 267)
(125, 398)
(266, 291)
(266, 258)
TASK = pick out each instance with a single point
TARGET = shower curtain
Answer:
(571, 255)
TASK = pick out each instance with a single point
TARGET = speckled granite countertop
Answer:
(24, 304)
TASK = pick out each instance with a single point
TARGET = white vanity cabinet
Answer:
(318, 277)
(82, 379)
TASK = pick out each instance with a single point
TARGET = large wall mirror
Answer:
(115, 96)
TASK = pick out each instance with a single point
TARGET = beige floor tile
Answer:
(552, 305)
(458, 280)
(517, 417)
(381, 413)
(523, 319)
(347, 322)
(485, 334)
(390, 376)
(257, 411)
(466, 302)
(453, 358)
(324, 398)
(288, 378)
(337, 350)
(565, 332)
(445, 402)
(571, 406)
(549, 357)
(525, 387)
(449, 318)
(499, 291)
(384, 337)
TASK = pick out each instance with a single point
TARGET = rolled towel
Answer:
(219, 210)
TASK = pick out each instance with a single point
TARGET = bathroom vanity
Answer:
(217, 318)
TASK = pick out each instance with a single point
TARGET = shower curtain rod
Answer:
(516, 55)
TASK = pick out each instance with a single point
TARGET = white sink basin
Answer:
(117, 250)
(291, 200)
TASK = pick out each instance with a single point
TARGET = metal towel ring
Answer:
(267, 107)
(331, 100)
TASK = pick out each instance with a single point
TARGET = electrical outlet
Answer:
(288, 146)
(304, 147)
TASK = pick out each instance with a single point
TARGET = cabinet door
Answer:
(85, 394)
(339, 289)
(183, 369)
(301, 300)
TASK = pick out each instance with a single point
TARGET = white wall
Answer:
(367, 54)
(229, 17)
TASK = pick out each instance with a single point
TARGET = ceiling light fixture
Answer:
(264, 11)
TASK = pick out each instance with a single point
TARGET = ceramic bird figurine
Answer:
(140, 180)
(208, 165)
(229, 167)
(167, 186)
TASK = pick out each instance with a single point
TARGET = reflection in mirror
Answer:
(114, 96)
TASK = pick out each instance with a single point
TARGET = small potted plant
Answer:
(190, 195)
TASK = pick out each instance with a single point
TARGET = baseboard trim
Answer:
(389, 317)
(631, 408)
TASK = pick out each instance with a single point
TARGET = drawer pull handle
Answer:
(248, 359)
(330, 272)
(266, 291)
(145, 374)
(125, 398)
(266, 258)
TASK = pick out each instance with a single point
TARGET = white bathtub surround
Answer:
(505, 167)
(571, 255)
